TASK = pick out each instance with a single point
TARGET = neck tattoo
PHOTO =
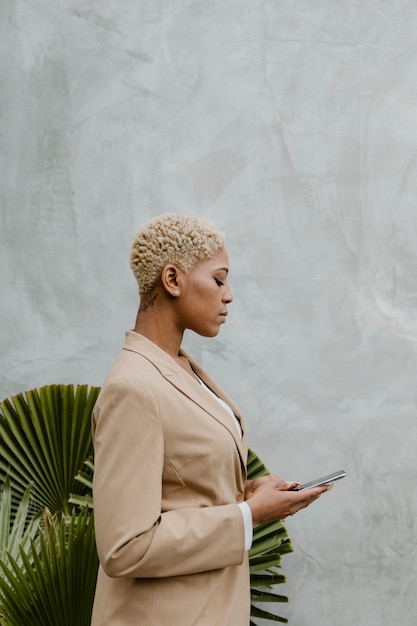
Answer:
(144, 306)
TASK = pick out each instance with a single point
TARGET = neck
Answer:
(155, 322)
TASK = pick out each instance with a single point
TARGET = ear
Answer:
(171, 279)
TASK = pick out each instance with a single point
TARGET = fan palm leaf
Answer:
(55, 582)
(45, 436)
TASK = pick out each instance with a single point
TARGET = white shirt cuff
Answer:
(248, 525)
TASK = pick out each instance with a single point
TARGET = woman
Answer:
(173, 510)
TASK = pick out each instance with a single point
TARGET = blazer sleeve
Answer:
(134, 538)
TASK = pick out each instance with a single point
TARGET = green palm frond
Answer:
(54, 585)
(45, 436)
(270, 543)
(254, 466)
(85, 476)
(16, 531)
(256, 612)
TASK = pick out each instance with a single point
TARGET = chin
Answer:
(208, 333)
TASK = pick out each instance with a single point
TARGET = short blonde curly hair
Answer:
(182, 240)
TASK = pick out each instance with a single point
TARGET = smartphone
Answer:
(324, 480)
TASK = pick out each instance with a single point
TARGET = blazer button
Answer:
(239, 496)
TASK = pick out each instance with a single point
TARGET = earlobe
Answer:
(170, 279)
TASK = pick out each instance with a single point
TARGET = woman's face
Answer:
(204, 295)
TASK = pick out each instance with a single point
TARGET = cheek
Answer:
(203, 293)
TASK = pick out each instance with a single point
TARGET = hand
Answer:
(252, 485)
(271, 498)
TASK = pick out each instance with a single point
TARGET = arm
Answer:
(134, 537)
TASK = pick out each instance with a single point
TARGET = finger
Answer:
(317, 491)
(292, 484)
(282, 485)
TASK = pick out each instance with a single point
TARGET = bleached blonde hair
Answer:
(182, 240)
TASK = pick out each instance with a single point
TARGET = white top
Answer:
(225, 406)
(244, 506)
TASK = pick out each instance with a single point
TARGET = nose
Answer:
(227, 296)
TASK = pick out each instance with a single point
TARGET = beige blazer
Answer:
(170, 469)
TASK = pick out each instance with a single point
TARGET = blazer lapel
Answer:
(215, 387)
(173, 373)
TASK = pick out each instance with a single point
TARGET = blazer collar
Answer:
(174, 374)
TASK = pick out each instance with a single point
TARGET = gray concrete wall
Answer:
(293, 125)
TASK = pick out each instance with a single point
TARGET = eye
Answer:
(219, 282)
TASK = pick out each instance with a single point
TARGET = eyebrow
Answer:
(222, 269)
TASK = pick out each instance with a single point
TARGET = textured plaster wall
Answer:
(293, 125)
